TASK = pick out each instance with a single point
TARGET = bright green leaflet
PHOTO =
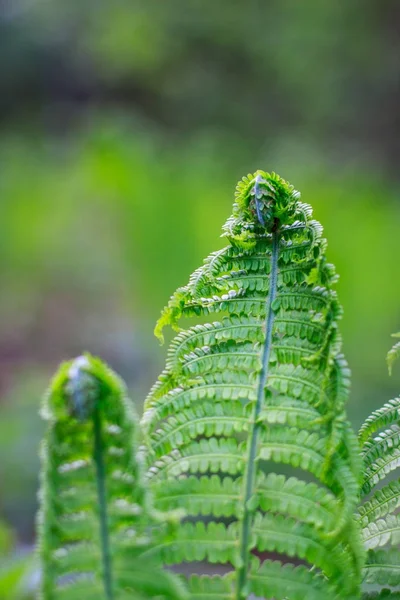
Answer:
(97, 528)
(246, 427)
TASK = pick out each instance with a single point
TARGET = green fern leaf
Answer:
(97, 528)
(382, 532)
(388, 414)
(205, 587)
(379, 437)
(260, 388)
(385, 501)
(383, 567)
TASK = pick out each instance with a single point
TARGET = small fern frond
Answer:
(393, 354)
(378, 514)
(97, 528)
(385, 416)
(251, 407)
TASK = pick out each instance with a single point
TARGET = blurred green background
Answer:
(124, 127)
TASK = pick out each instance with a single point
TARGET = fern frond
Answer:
(381, 453)
(96, 518)
(260, 388)
(388, 414)
(381, 456)
(378, 515)
(385, 501)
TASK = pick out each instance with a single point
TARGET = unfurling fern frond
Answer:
(378, 514)
(97, 528)
(246, 427)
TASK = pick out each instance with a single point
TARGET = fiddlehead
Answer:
(97, 527)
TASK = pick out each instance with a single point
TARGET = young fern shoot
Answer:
(246, 427)
(97, 528)
(378, 513)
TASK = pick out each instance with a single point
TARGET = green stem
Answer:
(254, 434)
(102, 499)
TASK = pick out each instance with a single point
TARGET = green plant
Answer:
(97, 528)
(246, 427)
(246, 441)
(378, 513)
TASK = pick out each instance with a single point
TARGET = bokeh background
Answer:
(124, 127)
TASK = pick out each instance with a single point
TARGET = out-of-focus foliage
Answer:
(319, 73)
(122, 127)
(393, 354)
(15, 569)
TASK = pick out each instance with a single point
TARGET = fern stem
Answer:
(102, 498)
(253, 439)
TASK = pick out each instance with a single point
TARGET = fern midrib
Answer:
(249, 478)
(102, 499)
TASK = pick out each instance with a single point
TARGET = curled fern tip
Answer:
(265, 199)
